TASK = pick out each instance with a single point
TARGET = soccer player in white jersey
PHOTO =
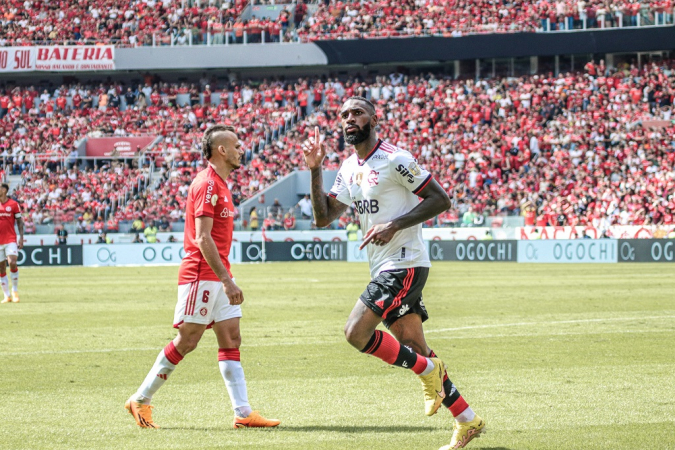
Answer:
(384, 183)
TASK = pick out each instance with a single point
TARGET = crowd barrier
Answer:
(539, 251)
(435, 234)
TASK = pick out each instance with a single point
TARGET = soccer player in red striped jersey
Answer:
(10, 214)
(385, 184)
(207, 294)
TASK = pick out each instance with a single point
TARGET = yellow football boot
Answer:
(464, 432)
(434, 393)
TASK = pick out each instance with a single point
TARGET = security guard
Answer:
(352, 231)
(151, 233)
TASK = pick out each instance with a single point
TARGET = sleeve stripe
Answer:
(332, 194)
(423, 185)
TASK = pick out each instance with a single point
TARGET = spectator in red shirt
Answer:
(289, 221)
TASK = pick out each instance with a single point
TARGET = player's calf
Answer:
(138, 404)
(5, 287)
(454, 401)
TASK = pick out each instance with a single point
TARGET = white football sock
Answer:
(155, 379)
(235, 382)
(430, 367)
(5, 285)
(15, 280)
(466, 416)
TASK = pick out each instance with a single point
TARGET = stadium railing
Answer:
(648, 17)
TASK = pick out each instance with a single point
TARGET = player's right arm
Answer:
(326, 208)
(207, 246)
(203, 211)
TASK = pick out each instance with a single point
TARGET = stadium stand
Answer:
(344, 20)
(594, 148)
(501, 146)
(155, 23)
(44, 135)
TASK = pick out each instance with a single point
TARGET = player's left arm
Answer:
(434, 201)
(19, 223)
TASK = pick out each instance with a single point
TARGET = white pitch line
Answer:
(338, 341)
(556, 322)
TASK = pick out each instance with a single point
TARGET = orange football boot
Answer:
(255, 420)
(142, 413)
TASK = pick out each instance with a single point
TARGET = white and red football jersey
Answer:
(208, 196)
(383, 187)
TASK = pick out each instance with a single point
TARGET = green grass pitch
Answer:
(552, 356)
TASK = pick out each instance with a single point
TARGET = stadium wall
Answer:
(352, 52)
(513, 45)
(219, 57)
(587, 251)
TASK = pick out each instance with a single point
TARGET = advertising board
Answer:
(142, 254)
(50, 255)
(568, 251)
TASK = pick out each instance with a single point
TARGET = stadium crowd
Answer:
(151, 22)
(40, 134)
(594, 148)
(344, 20)
(577, 149)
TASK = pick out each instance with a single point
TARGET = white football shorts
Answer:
(203, 302)
(6, 250)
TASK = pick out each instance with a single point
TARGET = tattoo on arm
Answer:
(326, 208)
(319, 198)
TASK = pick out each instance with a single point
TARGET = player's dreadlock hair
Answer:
(371, 107)
(207, 139)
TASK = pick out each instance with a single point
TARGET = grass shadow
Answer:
(360, 428)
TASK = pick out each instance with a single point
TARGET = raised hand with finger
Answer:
(314, 150)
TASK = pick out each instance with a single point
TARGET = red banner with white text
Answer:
(57, 58)
(117, 147)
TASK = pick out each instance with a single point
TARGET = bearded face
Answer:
(355, 135)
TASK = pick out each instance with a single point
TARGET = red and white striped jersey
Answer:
(383, 187)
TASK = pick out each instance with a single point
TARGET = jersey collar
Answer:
(379, 141)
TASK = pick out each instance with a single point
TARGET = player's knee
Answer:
(186, 343)
(186, 346)
(13, 266)
(234, 341)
